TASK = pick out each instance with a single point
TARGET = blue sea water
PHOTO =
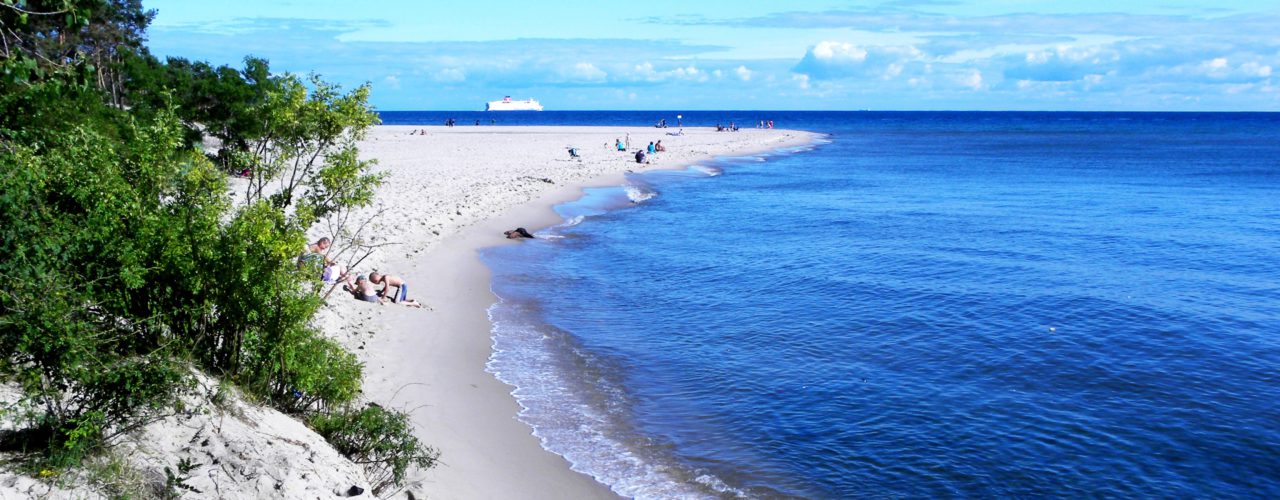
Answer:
(922, 305)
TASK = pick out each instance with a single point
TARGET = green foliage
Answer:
(175, 483)
(382, 440)
(76, 221)
(114, 477)
(125, 261)
(80, 40)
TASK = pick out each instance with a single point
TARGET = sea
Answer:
(917, 305)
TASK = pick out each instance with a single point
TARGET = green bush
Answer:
(125, 262)
(382, 440)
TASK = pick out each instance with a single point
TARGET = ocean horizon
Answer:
(923, 304)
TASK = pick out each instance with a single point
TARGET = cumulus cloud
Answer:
(450, 75)
(801, 80)
(1015, 24)
(969, 59)
(585, 72)
(647, 72)
(1063, 63)
(832, 59)
(971, 79)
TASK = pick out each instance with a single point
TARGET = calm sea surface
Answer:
(924, 305)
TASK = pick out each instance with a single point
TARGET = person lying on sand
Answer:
(517, 233)
(402, 289)
(364, 290)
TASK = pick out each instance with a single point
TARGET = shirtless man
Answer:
(364, 291)
(402, 289)
(332, 272)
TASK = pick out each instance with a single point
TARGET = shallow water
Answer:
(930, 304)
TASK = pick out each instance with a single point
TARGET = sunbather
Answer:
(517, 233)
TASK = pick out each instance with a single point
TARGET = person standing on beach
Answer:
(628, 144)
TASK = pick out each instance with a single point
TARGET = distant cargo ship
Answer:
(506, 104)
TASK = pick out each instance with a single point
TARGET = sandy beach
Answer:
(447, 194)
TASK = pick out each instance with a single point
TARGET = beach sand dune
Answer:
(448, 193)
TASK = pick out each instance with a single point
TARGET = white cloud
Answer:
(584, 72)
(450, 75)
(646, 72)
(802, 80)
(972, 79)
(839, 51)
(893, 70)
(831, 60)
(1253, 68)
(743, 73)
(392, 82)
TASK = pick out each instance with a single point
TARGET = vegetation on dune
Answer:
(126, 263)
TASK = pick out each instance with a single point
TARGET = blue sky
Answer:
(1171, 55)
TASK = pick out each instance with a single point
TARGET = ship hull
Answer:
(529, 105)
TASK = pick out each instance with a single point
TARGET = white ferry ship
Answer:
(506, 104)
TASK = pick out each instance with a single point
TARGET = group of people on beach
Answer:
(362, 287)
(733, 127)
(641, 154)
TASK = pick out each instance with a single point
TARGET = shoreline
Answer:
(434, 362)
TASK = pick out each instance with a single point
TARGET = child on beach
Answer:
(402, 289)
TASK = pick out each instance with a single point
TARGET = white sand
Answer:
(448, 194)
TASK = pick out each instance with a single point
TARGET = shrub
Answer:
(381, 440)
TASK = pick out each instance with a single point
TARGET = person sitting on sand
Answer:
(651, 148)
(332, 272)
(639, 156)
(658, 148)
(517, 233)
(387, 281)
(618, 144)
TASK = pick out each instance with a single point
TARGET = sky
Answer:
(1113, 55)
